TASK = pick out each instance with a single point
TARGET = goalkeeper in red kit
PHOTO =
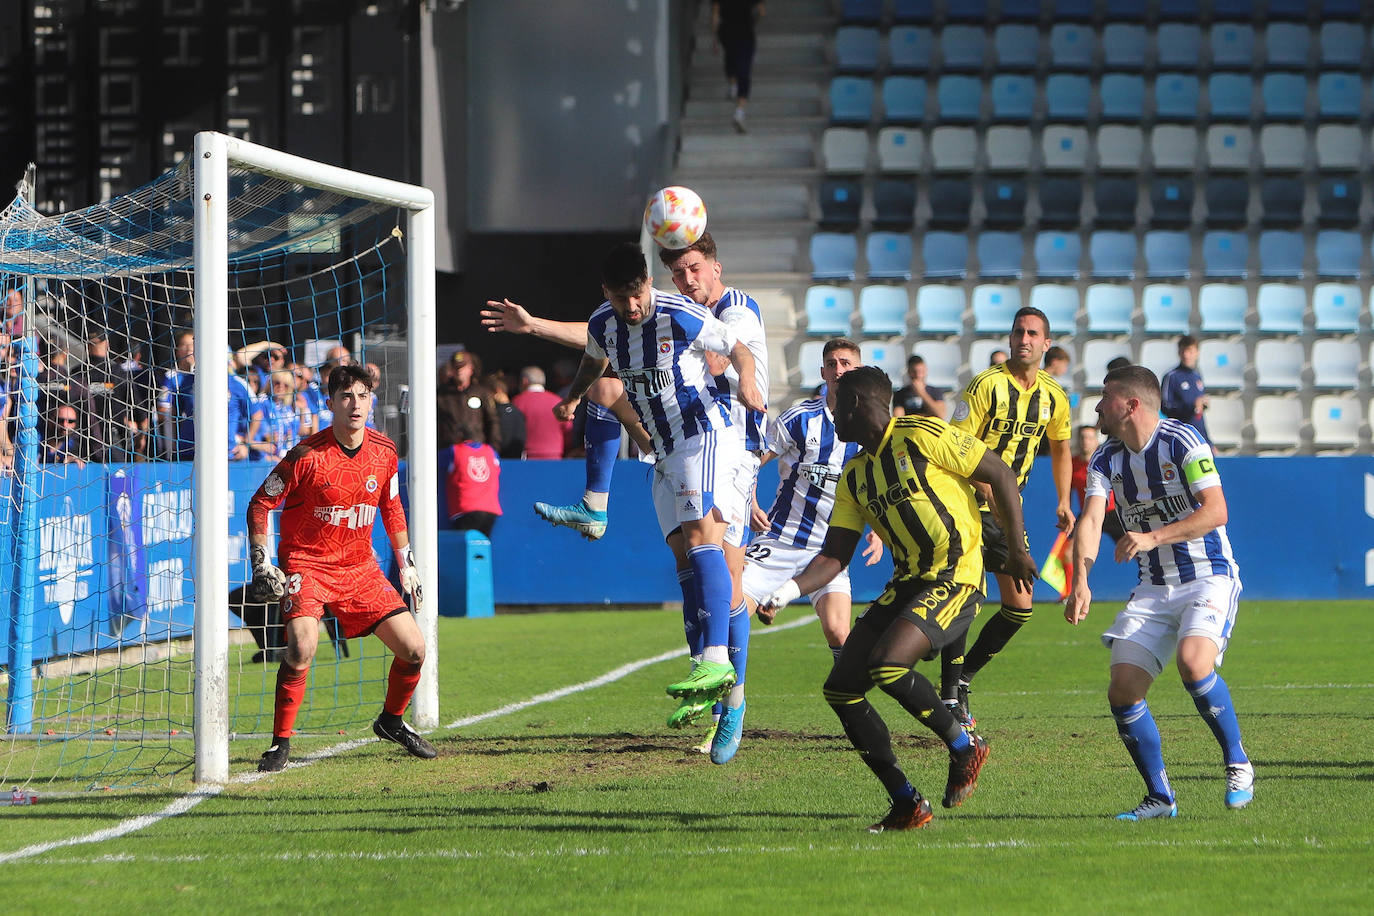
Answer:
(333, 485)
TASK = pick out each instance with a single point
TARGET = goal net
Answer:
(131, 653)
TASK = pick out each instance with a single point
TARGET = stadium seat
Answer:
(944, 254)
(1071, 46)
(1021, 10)
(950, 202)
(904, 99)
(1112, 254)
(1013, 97)
(844, 150)
(1123, 46)
(1008, 149)
(1064, 148)
(888, 255)
(1240, 10)
(1120, 148)
(1057, 254)
(1073, 10)
(1061, 202)
(1285, 46)
(1228, 202)
(1109, 307)
(939, 309)
(833, 255)
(1004, 199)
(1178, 45)
(909, 49)
(1229, 95)
(942, 359)
(1126, 10)
(1336, 307)
(809, 361)
(1173, 148)
(1087, 409)
(1222, 363)
(840, 200)
(1342, 44)
(993, 308)
(1060, 305)
(1338, 96)
(953, 149)
(1167, 309)
(1233, 46)
(1225, 254)
(913, 10)
(851, 100)
(1280, 307)
(999, 254)
(861, 11)
(959, 98)
(1167, 254)
(1343, 9)
(980, 352)
(1017, 46)
(1228, 148)
(966, 11)
(1096, 354)
(1281, 201)
(856, 49)
(894, 203)
(828, 310)
(1284, 96)
(1159, 356)
(1222, 308)
(1276, 421)
(1335, 363)
(887, 355)
(1225, 421)
(1176, 97)
(1123, 97)
(1289, 9)
(1280, 254)
(1278, 364)
(1338, 201)
(1171, 201)
(1338, 146)
(1335, 421)
(1067, 97)
(882, 311)
(1115, 202)
(900, 149)
(1338, 253)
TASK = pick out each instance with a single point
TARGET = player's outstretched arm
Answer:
(513, 318)
(994, 472)
(835, 555)
(1086, 538)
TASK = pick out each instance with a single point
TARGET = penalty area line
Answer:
(196, 796)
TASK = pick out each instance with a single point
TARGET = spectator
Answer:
(511, 419)
(474, 483)
(374, 372)
(142, 387)
(337, 355)
(280, 424)
(1118, 362)
(176, 402)
(460, 401)
(1057, 364)
(63, 442)
(1087, 441)
(1183, 394)
(260, 445)
(308, 384)
(997, 358)
(240, 413)
(101, 389)
(13, 322)
(918, 399)
(545, 435)
(733, 23)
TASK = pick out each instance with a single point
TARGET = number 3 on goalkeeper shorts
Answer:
(293, 584)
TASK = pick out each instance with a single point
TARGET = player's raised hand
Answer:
(269, 582)
(507, 316)
(784, 595)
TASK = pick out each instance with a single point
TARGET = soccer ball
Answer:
(675, 217)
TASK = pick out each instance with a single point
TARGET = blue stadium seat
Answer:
(1109, 307)
(1120, 148)
(1013, 97)
(1342, 44)
(809, 360)
(993, 308)
(1171, 201)
(1222, 308)
(1335, 364)
(1123, 46)
(1060, 305)
(1008, 149)
(861, 11)
(1280, 307)
(1064, 148)
(1004, 200)
(1073, 10)
(1167, 308)
(1284, 96)
(960, 98)
(950, 202)
(1280, 254)
(904, 100)
(953, 149)
(851, 100)
(888, 255)
(1061, 203)
(1286, 46)
(1167, 254)
(1288, 9)
(1057, 254)
(1178, 45)
(909, 48)
(1338, 146)
(1342, 9)
(913, 10)
(1283, 147)
(1222, 363)
(833, 255)
(999, 254)
(1021, 10)
(967, 11)
(1067, 97)
(1228, 202)
(1233, 46)
(1336, 308)
(1225, 254)
(1177, 9)
(1176, 97)
(882, 311)
(1233, 9)
(1338, 253)
(894, 203)
(841, 199)
(1173, 147)
(939, 309)
(1338, 201)
(1115, 199)
(900, 149)
(1278, 364)
(944, 254)
(1071, 46)
(844, 150)
(964, 48)
(1229, 147)
(856, 49)
(1112, 254)
(1230, 95)
(1282, 200)
(828, 310)
(1338, 96)
(1123, 97)
(1017, 46)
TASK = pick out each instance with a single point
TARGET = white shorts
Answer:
(1156, 617)
(769, 563)
(697, 477)
(745, 477)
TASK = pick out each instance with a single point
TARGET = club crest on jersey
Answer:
(273, 485)
(665, 346)
(1044, 412)
(961, 411)
(1169, 471)
(478, 468)
(371, 483)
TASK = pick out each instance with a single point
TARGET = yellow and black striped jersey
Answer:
(913, 490)
(1011, 420)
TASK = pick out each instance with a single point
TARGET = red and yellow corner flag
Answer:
(1056, 572)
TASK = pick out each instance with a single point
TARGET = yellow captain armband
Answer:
(1194, 471)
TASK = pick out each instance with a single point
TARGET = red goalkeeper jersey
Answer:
(332, 497)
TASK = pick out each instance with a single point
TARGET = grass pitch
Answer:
(588, 803)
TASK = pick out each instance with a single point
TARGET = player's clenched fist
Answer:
(784, 595)
(269, 582)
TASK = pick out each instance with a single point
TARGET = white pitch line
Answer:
(196, 796)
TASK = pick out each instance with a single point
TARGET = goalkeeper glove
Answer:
(410, 576)
(784, 595)
(269, 582)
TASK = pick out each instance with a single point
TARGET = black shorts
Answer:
(941, 610)
(995, 544)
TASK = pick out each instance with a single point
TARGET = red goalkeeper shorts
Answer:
(360, 596)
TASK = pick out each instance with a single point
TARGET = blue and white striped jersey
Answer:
(739, 310)
(662, 362)
(810, 459)
(1158, 487)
